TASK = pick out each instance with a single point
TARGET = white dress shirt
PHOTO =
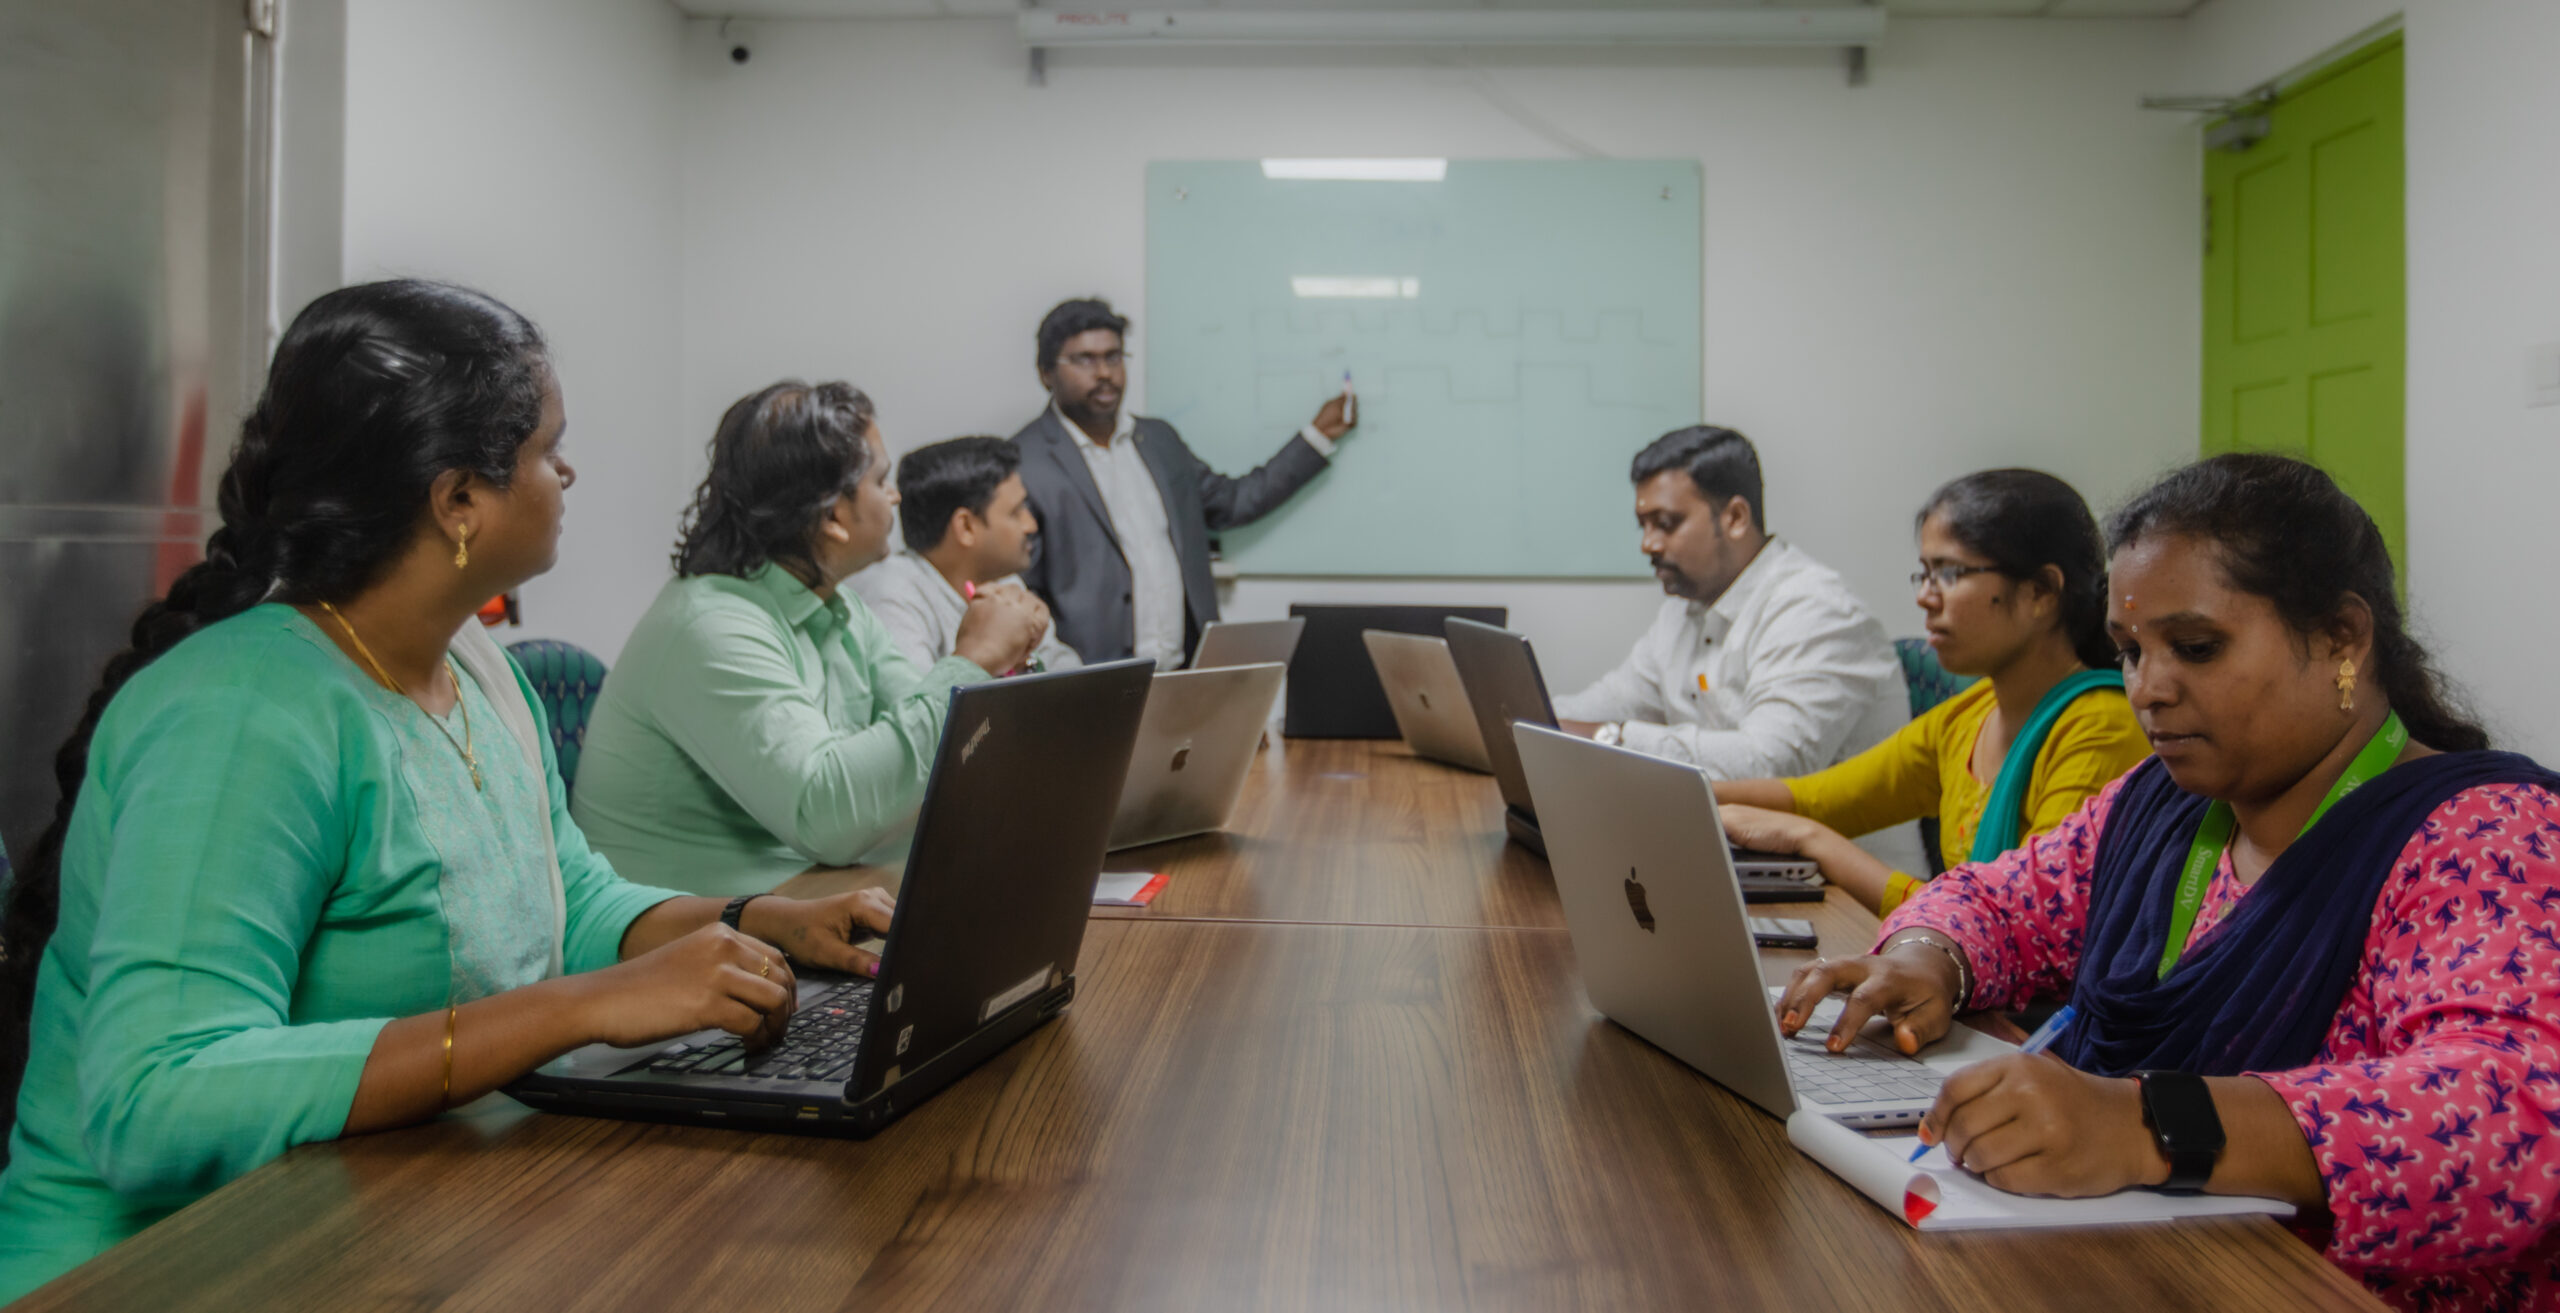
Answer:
(1785, 674)
(922, 611)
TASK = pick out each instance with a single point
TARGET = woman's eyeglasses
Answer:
(1946, 574)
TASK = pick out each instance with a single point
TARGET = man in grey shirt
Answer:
(968, 528)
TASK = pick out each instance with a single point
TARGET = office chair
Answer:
(1929, 684)
(566, 677)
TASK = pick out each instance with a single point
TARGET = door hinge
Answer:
(261, 15)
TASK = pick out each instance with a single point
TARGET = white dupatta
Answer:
(480, 656)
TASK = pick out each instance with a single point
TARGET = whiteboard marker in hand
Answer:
(1350, 401)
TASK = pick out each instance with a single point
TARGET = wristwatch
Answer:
(2178, 1108)
(737, 908)
(1611, 734)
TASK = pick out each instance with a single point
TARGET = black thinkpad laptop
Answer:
(991, 913)
(1333, 690)
(1500, 672)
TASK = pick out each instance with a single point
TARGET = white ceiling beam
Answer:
(1851, 26)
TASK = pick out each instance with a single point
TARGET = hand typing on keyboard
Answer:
(825, 1038)
(1916, 984)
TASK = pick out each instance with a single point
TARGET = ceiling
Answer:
(1008, 8)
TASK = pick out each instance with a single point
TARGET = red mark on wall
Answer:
(182, 524)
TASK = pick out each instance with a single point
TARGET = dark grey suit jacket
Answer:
(1076, 566)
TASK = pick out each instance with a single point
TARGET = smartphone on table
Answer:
(1783, 932)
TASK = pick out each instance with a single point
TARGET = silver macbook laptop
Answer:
(1246, 642)
(1499, 670)
(1195, 744)
(1432, 711)
(1658, 925)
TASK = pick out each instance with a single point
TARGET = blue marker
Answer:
(1350, 400)
(2038, 1042)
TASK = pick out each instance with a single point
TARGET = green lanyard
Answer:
(2205, 854)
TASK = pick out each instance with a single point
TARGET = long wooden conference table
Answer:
(1343, 1062)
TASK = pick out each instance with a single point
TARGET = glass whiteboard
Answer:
(1515, 331)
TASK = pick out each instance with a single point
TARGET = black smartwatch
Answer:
(737, 908)
(2178, 1107)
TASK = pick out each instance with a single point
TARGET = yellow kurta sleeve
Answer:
(2096, 741)
(1892, 782)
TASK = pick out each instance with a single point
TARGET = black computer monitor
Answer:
(1333, 685)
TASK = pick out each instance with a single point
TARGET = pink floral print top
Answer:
(2431, 1109)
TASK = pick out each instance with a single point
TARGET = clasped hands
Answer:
(2028, 1124)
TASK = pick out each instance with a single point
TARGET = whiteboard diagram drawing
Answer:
(1515, 331)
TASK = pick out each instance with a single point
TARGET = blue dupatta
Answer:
(2260, 991)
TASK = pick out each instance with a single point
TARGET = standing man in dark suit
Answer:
(1125, 509)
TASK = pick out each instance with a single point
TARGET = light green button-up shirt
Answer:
(752, 728)
(271, 857)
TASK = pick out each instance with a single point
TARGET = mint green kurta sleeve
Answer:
(749, 718)
(223, 847)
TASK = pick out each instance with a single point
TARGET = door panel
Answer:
(128, 220)
(2305, 296)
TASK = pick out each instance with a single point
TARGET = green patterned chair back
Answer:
(1929, 682)
(566, 677)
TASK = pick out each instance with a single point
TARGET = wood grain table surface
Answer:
(1279, 1092)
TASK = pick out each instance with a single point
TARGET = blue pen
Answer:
(2038, 1042)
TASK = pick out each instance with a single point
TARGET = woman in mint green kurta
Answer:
(759, 720)
(316, 879)
(297, 857)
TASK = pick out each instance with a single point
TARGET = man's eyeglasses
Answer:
(1108, 359)
(1946, 574)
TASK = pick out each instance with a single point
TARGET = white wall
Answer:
(2232, 46)
(2484, 288)
(528, 150)
(1987, 256)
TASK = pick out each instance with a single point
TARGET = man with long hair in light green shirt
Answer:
(760, 721)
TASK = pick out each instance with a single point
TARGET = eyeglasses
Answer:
(1108, 359)
(1946, 574)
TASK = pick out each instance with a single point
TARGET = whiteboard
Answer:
(1515, 332)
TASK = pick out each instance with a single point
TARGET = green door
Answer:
(2304, 299)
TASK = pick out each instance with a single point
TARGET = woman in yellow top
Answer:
(2013, 579)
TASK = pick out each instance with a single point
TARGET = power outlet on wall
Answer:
(2542, 375)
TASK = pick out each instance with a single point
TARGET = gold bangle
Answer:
(451, 1011)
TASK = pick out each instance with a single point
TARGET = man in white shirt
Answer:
(1761, 663)
(1125, 508)
(968, 528)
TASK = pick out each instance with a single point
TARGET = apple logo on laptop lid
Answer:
(1635, 901)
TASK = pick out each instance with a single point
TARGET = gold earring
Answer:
(2347, 685)
(462, 547)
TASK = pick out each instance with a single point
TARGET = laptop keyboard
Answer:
(824, 1040)
(1869, 1072)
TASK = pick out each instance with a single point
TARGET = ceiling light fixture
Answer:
(1349, 170)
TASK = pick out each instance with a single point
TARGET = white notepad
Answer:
(1934, 1195)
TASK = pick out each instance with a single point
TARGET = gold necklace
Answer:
(461, 745)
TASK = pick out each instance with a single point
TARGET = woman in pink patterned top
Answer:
(2314, 943)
